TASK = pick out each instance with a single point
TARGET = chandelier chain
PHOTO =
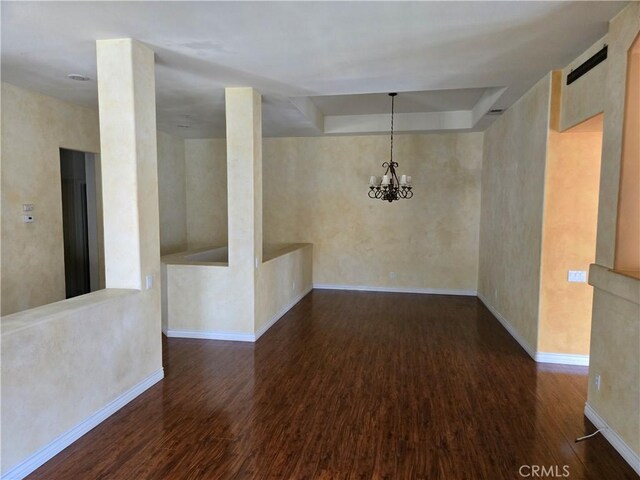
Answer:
(393, 98)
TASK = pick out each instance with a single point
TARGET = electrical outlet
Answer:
(149, 282)
(597, 381)
(27, 207)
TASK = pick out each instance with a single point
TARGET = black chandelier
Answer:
(389, 187)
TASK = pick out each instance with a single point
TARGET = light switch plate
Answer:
(578, 276)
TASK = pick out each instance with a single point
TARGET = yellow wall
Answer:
(512, 209)
(627, 257)
(173, 195)
(569, 239)
(616, 318)
(315, 191)
(34, 128)
(206, 184)
(63, 362)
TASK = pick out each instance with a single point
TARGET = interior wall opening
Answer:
(81, 219)
(569, 237)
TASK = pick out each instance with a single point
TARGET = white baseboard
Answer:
(210, 335)
(367, 288)
(562, 358)
(616, 441)
(539, 357)
(509, 328)
(281, 313)
(37, 459)
(236, 336)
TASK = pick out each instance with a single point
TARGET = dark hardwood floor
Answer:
(352, 385)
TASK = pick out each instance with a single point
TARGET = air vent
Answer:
(589, 64)
(495, 111)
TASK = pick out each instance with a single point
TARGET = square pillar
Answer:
(244, 177)
(127, 110)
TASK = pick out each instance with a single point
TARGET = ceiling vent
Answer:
(589, 64)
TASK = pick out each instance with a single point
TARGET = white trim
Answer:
(539, 357)
(562, 358)
(54, 447)
(281, 312)
(236, 336)
(509, 328)
(616, 441)
(367, 288)
(209, 335)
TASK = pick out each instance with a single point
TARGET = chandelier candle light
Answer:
(389, 187)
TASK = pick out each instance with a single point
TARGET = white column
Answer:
(126, 89)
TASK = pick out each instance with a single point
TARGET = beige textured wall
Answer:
(627, 257)
(512, 209)
(34, 128)
(173, 194)
(622, 32)
(206, 184)
(569, 240)
(205, 298)
(615, 337)
(584, 98)
(616, 320)
(315, 191)
(63, 362)
(281, 281)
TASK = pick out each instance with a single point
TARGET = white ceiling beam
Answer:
(310, 111)
(403, 122)
(486, 101)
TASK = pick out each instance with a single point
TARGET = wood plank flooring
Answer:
(352, 385)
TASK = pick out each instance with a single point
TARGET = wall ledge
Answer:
(615, 283)
(34, 316)
(47, 452)
(616, 441)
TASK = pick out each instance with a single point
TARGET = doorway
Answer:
(572, 186)
(80, 222)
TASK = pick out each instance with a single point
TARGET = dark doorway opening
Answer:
(79, 221)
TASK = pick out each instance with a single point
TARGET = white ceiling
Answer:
(454, 57)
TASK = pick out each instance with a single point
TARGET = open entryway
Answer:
(78, 175)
